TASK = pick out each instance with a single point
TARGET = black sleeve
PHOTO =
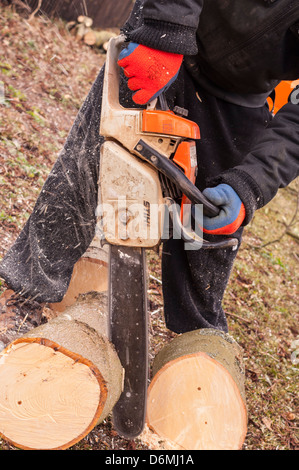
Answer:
(168, 25)
(272, 163)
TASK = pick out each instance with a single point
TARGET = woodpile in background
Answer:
(82, 30)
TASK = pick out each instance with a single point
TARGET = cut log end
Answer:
(90, 38)
(86, 20)
(50, 398)
(60, 380)
(193, 399)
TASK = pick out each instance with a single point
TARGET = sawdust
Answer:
(155, 442)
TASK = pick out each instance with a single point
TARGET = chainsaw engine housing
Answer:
(130, 208)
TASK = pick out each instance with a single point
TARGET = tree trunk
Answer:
(61, 379)
(196, 398)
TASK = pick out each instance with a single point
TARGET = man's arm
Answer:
(272, 163)
(159, 33)
(167, 25)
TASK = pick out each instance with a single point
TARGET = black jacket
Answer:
(239, 50)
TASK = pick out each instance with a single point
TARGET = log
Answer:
(61, 379)
(86, 20)
(80, 30)
(196, 399)
(97, 38)
(70, 25)
(88, 275)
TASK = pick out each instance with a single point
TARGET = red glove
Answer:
(150, 71)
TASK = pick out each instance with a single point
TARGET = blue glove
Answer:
(232, 211)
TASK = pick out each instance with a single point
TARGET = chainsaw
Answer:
(148, 168)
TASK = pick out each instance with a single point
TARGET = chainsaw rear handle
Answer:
(114, 111)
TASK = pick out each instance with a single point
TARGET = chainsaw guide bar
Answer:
(129, 334)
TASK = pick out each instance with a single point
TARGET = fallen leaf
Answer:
(291, 416)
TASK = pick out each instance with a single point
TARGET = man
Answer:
(220, 60)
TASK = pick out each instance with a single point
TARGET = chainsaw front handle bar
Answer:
(191, 237)
(173, 172)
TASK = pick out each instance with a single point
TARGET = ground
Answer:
(44, 77)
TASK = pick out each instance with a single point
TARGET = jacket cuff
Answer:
(247, 189)
(164, 36)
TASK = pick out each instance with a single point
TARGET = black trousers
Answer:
(194, 282)
(39, 265)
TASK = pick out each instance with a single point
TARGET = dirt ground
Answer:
(44, 77)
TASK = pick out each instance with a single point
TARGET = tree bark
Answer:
(97, 38)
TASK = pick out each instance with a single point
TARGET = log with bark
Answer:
(196, 398)
(85, 20)
(98, 38)
(88, 275)
(61, 379)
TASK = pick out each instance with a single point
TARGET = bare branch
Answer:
(36, 10)
(21, 4)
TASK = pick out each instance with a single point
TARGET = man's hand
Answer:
(232, 211)
(150, 71)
